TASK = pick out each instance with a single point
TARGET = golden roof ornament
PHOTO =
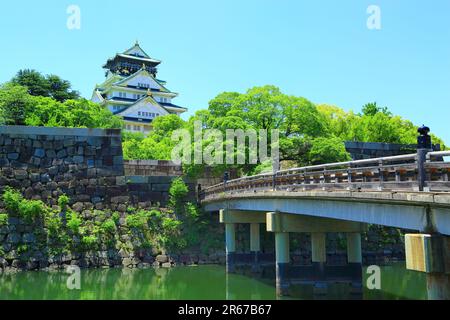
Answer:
(149, 93)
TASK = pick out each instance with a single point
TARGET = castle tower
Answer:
(133, 91)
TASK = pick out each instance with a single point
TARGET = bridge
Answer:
(409, 191)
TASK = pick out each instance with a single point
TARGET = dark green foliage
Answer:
(45, 86)
(12, 199)
(15, 104)
(3, 219)
(63, 201)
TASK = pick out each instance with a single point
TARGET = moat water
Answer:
(192, 283)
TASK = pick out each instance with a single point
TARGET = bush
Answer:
(16, 204)
(170, 225)
(63, 201)
(74, 222)
(89, 242)
(3, 219)
(12, 200)
(177, 193)
(116, 217)
(109, 226)
(139, 220)
(31, 209)
(53, 223)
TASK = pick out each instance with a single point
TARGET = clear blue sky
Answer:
(319, 49)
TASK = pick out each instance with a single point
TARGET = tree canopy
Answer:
(18, 107)
(51, 85)
(309, 133)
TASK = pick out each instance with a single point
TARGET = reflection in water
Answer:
(203, 282)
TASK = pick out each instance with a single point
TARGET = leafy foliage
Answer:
(46, 86)
(31, 209)
(74, 222)
(33, 99)
(15, 104)
(17, 205)
(328, 150)
(63, 201)
(12, 200)
(309, 133)
(177, 192)
(3, 219)
(109, 226)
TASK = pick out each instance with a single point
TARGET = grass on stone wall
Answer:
(3, 219)
(60, 230)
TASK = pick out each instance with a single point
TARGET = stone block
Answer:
(160, 187)
(61, 154)
(45, 177)
(39, 153)
(78, 207)
(29, 238)
(78, 159)
(121, 181)
(4, 162)
(13, 238)
(51, 153)
(20, 174)
(162, 258)
(13, 156)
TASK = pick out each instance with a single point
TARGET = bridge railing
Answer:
(388, 173)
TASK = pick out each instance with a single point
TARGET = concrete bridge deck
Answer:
(421, 211)
(409, 191)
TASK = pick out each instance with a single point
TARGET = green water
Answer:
(192, 283)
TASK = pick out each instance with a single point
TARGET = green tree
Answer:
(328, 150)
(79, 113)
(15, 104)
(371, 109)
(60, 89)
(46, 86)
(34, 81)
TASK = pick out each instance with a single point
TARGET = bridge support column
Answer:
(354, 259)
(230, 242)
(282, 263)
(255, 245)
(282, 224)
(319, 258)
(232, 217)
(430, 254)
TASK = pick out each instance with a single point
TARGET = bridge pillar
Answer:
(232, 217)
(319, 258)
(255, 244)
(230, 243)
(282, 263)
(354, 259)
(430, 254)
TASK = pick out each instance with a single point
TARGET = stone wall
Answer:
(164, 168)
(152, 168)
(366, 150)
(151, 179)
(43, 163)
(155, 189)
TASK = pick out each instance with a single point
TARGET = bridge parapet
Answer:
(410, 172)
